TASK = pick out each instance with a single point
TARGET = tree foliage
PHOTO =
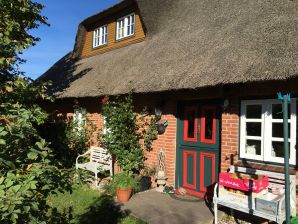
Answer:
(18, 17)
(28, 172)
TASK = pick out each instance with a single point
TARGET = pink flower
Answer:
(105, 100)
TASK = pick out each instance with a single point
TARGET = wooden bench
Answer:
(248, 205)
(100, 160)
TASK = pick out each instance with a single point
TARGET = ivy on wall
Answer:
(126, 132)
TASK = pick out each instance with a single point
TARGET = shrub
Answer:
(69, 137)
(28, 172)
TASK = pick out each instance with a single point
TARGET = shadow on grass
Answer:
(104, 210)
(56, 217)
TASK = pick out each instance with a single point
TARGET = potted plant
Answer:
(146, 175)
(124, 183)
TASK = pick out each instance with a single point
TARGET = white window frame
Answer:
(266, 131)
(79, 118)
(125, 26)
(100, 36)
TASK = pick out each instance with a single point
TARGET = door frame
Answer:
(180, 116)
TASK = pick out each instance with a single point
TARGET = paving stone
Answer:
(156, 208)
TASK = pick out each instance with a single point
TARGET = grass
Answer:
(85, 205)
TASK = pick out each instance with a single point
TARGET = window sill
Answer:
(100, 46)
(124, 38)
(263, 166)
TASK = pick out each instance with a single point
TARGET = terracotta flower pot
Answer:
(123, 194)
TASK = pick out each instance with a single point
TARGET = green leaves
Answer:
(27, 171)
(122, 138)
(32, 155)
(18, 17)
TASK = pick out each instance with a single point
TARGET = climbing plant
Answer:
(125, 131)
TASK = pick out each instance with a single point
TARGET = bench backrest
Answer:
(277, 178)
(100, 155)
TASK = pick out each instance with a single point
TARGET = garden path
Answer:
(158, 208)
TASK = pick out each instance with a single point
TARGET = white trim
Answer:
(100, 36)
(266, 131)
(244, 137)
(125, 26)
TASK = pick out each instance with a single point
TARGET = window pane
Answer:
(191, 124)
(209, 116)
(253, 147)
(277, 111)
(254, 111)
(278, 149)
(278, 130)
(254, 129)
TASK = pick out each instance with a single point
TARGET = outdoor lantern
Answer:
(158, 111)
(161, 126)
(225, 104)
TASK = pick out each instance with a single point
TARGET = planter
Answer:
(123, 194)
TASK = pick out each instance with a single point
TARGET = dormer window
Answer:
(100, 36)
(125, 26)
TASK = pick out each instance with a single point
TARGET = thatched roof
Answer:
(190, 44)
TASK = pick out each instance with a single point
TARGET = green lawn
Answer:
(84, 205)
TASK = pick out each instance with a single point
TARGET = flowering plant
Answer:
(105, 100)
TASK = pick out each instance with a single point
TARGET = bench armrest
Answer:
(86, 153)
(215, 195)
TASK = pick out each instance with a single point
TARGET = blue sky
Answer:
(64, 17)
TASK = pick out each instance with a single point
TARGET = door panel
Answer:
(207, 170)
(190, 124)
(208, 124)
(198, 128)
(189, 169)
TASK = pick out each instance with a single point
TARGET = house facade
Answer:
(212, 68)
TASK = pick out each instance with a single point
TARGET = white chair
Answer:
(100, 160)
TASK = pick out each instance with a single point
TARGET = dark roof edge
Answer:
(107, 12)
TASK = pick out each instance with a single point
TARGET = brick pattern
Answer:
(167, 142)
(97, 120)
(229, 135)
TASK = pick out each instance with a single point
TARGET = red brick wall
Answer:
(167, 142)
(229, 135)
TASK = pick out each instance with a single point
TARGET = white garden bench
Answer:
(100, 160)
(250, 207)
